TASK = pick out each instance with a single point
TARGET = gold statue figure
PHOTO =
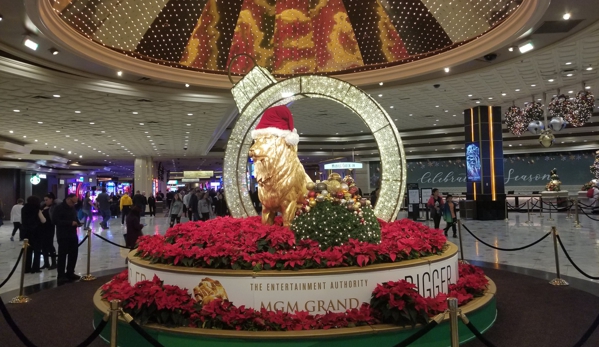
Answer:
(280, 175)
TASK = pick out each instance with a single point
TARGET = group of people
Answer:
(445, 209)
(40, 222)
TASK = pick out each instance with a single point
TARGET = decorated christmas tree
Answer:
(334, 212)
(595, 166)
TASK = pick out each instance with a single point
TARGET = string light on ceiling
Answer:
(286, 37)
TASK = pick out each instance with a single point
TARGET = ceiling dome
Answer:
(288, 37)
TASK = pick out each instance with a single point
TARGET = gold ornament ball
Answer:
(310, 185)
(357, 206)
(312, 203)
(546, 139)
(335, 177)
(333, 186)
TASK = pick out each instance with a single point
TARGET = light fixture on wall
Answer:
(54, 51)
(29, 43)
(526, 47)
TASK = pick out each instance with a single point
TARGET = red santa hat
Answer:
(277, 121)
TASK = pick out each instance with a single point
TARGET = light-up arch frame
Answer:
(259, 90)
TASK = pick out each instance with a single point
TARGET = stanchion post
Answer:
(452, 305)
(506, 219)
(88, 276)
(462, 261)
(21, 298)
(558, 281)
(569, 208)
(550, 206)
(576, 221)
(528, 209)
(541, 207)
(114, 320)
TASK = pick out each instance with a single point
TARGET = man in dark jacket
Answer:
(65, 218)
(193, 206)
(139, 201)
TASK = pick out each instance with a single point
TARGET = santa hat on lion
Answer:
(277, 121)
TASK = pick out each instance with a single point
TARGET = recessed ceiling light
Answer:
(67, 135)
(10, 131)
(190, 114)
(517, 90)
(411, 115)
(92, 123)
(526, 47)
(434, 124)
(380, 95)
(57, 131)
(589, 68)
(188, 125)
(469, 95)
(17, 110)
(40, 122)
(77, 111)
(490, 98)
(187, 85)
(566, 16)
(478, 102)
(510, 145)
(35, 140)
(454, 115)
(446, 69)
(56, 96)
(29, 43)
(587, 87)
(550, 80)
(141, 123)
(570, 91)
(80, 156)
(134, 112)
(511, 49)
(570, 75)
(54, 51)
(503, 94)
(390, 106)
(533, 85)
(119, 73)
(436, 105)
(381, 83)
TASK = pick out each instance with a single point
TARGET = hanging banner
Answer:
(198, 174)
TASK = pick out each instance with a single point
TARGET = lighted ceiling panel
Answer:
(287, 37)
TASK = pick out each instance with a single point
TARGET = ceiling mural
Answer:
(288, 37)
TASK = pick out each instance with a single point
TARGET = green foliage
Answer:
(333, 225)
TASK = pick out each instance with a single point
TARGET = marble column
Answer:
(143, 175)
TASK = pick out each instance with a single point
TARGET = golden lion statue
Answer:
(280, 175)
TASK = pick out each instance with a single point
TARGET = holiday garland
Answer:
(583, 109)
(152, 301)
(533, 111)
(561, 106)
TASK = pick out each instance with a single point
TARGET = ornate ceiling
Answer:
(288, 37)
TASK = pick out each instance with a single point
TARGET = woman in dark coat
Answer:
(31, 223)
(133, 227)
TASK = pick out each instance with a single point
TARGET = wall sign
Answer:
(343, 166)
(198, 174)
(35, 180)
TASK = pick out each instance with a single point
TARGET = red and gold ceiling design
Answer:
(288, 37)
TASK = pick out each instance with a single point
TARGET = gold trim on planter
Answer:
(474, 305)
(451, 251)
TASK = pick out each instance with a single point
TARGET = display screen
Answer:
(473, 162)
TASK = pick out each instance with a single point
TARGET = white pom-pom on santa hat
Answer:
(277, 121)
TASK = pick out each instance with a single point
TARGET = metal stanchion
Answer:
(551, 219)
(114, 320)
(21, 298)
(569, 209)
(506, 219)
(541, 207)
(461, 261)
(89, 276)
(576, 221)
(528, 208)
(556, 281)
(452, 304)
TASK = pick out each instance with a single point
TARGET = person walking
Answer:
(48, 233)
(144, 203)
(220, 205)
(450, 215)
(152, 205)
(138, 200)
(185, 199)
(134, 227)
(435, 205)
(176, 210)
(125, 204)
(103, 206)
(31, 222)
(15, 218)
(204, 207)
(193, 205)
(86, 209)
(64, 217)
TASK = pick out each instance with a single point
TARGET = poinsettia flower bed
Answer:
(245, 243)
(392, 302)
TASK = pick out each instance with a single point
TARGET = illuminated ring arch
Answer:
(259, 90)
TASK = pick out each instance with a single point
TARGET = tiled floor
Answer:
(582, 244)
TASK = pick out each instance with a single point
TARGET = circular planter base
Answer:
(481, 312)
